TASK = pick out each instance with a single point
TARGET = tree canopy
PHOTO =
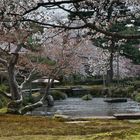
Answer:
(99, 14)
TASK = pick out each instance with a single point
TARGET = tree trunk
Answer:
(16, 91)
(31, 107)
(118, 69)
(15, 104)
(13, 84)
(47, 97)
(110, 72)
(111, 67)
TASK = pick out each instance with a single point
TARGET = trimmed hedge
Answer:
(58, 95)
(137, 97)
(87, 97)
(99, 91)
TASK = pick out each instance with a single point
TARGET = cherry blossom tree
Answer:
(95, 15)
(99, 64)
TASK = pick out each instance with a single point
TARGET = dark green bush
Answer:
(3, 101)
(3, 88)
(136, 84)
(27, 98)
(137, 97)
(120, 92)
(100, 91)
(87, 97)
(58, 95)
(96, 90)
(130, 89)
(138, 90)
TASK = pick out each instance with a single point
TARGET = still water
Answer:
(76, 107)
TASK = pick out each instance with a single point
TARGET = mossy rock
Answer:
(13, 107)
(58, 95)
(3, 110)
(87, 97)
(50, 100)
(137, 97)
(1, 104)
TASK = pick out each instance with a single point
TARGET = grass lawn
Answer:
(13, 127)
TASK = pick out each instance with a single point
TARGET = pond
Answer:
(76, 107)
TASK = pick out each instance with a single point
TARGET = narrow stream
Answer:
(76, 107)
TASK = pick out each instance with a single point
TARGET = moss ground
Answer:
(14, 127)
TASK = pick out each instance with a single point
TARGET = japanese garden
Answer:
(69, 69)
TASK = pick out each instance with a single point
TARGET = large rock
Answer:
(50, 100)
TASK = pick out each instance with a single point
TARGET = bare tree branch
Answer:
(8, 95)
(113, 34)
(95, 28)
(53, 3)
(45, 25)
(26, 79)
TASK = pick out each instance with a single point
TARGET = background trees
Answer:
(107, 17)
(127, 48)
